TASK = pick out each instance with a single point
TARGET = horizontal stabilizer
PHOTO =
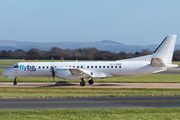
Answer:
(157, 62)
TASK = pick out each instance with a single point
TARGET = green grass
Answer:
(93, 114)
(178, 63)
(22, 92)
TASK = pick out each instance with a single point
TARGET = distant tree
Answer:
(33, 54)
(122, 55)
(19, 50)
(176, 55)
(145, 52)
(81, 54)
(56, 53)
(130, 55)
(136, 54)
(9, 51)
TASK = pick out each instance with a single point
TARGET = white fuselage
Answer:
(95, 69)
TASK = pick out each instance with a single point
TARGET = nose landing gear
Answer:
(15, 83)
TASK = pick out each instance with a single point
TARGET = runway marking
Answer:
(121, 101)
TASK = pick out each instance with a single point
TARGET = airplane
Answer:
(159, 61)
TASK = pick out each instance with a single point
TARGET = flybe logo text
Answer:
(28, 68)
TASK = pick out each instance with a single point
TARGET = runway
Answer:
(95, 85)
(89, 102)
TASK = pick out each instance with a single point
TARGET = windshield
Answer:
(15, 66)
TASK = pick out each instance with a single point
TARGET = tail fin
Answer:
(165, 49)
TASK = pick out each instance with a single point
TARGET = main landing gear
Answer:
(15, 83)
(91, 81)
(83, 83)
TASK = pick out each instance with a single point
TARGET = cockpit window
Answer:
(15, 66)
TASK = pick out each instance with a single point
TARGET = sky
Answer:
(131, 22)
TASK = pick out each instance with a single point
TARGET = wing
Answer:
(83, 73)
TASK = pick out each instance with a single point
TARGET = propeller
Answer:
(53, 72)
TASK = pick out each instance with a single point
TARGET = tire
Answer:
(82, 83)
(15, 83)
(91, 82)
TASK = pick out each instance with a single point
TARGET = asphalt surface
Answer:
(89, 102)
(92, 102)
(95, 85)
(5, 66)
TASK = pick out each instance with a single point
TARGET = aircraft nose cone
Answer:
(3, 74)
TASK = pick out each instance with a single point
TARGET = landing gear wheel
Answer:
(91, 81)
(15, 83)
(82, 83)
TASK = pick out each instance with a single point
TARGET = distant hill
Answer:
(108, 45)
(110, 41)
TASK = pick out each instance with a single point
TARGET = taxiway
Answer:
(90, 102)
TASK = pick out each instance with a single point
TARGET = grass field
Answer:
(22, 92)
(93, 114)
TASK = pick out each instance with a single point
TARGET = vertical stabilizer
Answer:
(165, 49)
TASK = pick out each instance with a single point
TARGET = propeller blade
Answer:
(53, 72)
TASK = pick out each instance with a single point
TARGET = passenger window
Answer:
(111, 66)
(115, 66)
(91, 66)
(81, 66)
(73, 66)
(77, 66)
(107, 66)
(87, 66)
(103, 66)
(43, 67)
(47, 67)
(119, 66)
(39, 67)
(69, 66)
(95, 66)
(99, 66)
